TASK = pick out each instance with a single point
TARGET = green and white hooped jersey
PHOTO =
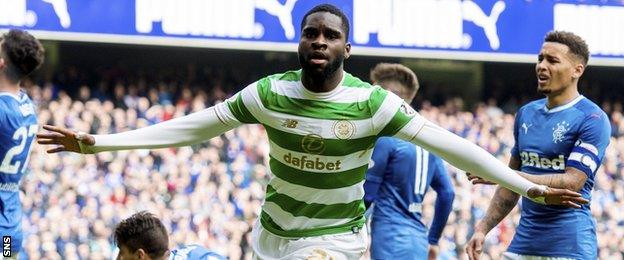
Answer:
(320, 147)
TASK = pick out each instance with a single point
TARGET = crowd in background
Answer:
(211, 193)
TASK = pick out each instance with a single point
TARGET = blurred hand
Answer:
(434, 250)
(554, 196)
(65, 139)
(475, 245)
(478, 180)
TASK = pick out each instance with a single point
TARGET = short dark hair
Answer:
(332, 9)
(395, 72)
(143, 230)
(23, 53)
(575, 43)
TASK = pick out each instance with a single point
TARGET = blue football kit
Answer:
(192, 252)
(399, 175)
(18, 127)
(547, 142)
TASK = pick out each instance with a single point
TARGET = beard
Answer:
(329, 70)
(544, 90)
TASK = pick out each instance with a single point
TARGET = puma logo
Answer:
(402, 22)
(60, 8)
(526, 127)
(282, 12)
(235, 19)
(473, 13)
(16, 13)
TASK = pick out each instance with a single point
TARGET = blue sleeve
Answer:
(376, 169)
(2, 113)
(441, 183)
(195, 252)
(593, 139)
(514, 151)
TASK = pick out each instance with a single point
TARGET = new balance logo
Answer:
(535, 160)
(290, 123)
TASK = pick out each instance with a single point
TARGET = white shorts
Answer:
(514, 256)
(345, 246)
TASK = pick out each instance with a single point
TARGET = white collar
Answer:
(16, 97)
(563, 107)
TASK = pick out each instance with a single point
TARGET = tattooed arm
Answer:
(503, 202)
(573, 179)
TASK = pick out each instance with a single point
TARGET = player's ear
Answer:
(578, 70)
(347, 52)
(141, 254)
(2, 63)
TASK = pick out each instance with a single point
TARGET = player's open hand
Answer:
(65, 140)
(478, 180)
(554, 196)
(474, 248)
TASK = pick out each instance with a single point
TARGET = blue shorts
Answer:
(392, 240)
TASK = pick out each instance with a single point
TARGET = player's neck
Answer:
(321, 84)
(9, 86)
(562, 98)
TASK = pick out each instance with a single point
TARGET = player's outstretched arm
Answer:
(573, 179)
(471, 158)
(177, 132)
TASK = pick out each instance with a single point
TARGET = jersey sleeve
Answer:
(2, 114)
(376, 169)
(468, 157)
(443, 186)
(589, 149)
(395, 117)
(238, 108)
(182, 131)
(515, 150)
